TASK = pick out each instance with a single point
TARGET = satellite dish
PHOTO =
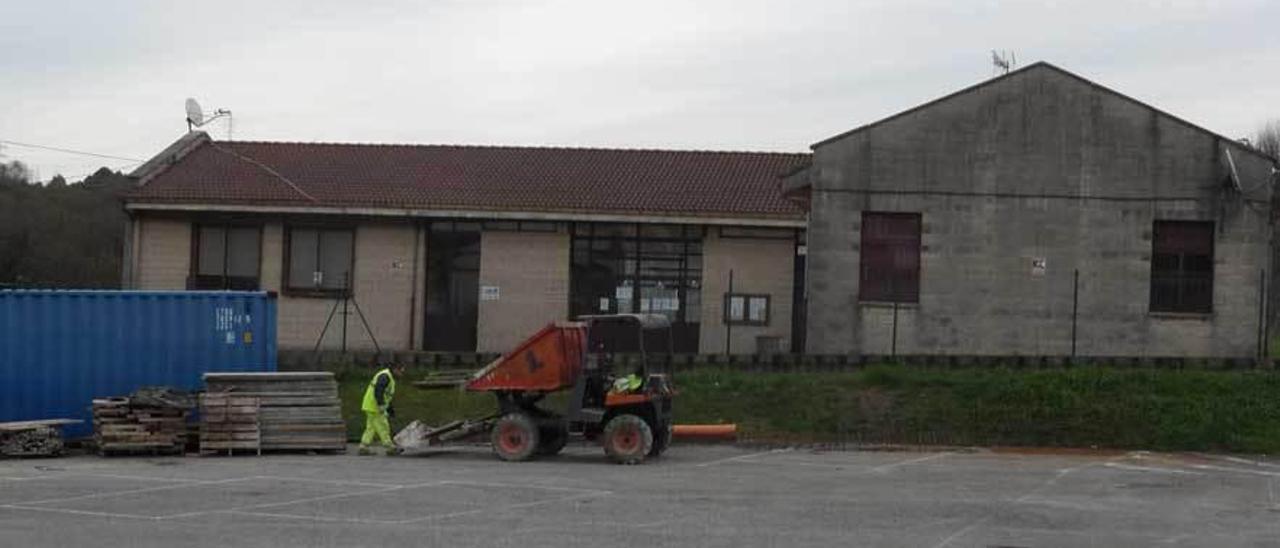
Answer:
(195, 115)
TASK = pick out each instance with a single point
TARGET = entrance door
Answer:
(453, 287)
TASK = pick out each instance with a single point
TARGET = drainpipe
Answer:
(413, 287)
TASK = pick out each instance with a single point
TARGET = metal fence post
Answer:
(1262, 317)
(728, 317)
(346, 292)
(893, 345)
(1075, 309)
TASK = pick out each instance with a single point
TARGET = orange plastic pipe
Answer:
(705, 431)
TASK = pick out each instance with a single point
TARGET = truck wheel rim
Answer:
(626, 440)
(512, 438)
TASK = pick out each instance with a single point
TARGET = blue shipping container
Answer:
(61, 349)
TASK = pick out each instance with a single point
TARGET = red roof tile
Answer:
(481, 178)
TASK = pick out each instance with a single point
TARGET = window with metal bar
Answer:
(890, 265)
(629, 268)
(1182, 267)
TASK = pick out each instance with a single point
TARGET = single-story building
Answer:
(1037, 214)
(472, 248)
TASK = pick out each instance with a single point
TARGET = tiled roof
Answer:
(474, 178)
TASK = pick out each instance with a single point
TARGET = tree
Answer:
(61, 235)
(14, 173)
(1267, 139)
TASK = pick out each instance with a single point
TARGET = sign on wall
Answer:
(489, 293)
(1038, 266)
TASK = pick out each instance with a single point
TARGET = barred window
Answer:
(1182, 267)
(890, 265)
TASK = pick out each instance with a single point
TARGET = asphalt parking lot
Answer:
(693, 496)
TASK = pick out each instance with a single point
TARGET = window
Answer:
(225, 257)
(647, 268)
(1182, 267)
(319, 260)
(890, 269)
(744, 309)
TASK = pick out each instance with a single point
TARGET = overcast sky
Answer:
(110, 77)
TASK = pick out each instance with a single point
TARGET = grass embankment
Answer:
(1235, 411)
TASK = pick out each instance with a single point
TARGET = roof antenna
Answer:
(1003, 61)
(195, 116)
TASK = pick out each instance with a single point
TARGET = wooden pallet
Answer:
(41, 438)
(122, 428)
(297, 411)
(229, 423)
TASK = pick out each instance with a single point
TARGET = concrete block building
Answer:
(1037, 214)
(472, 248)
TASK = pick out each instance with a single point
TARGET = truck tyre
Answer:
(514, 437)
(628, 439)
(661, 439)
(553, 439)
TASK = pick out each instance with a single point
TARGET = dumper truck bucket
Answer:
(550, 360)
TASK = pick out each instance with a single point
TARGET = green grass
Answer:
(1234, 411)
(430, 406)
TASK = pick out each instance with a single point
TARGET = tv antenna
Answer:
(1003, 61)
(195, 116)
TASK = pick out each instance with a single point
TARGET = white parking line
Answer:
(583, 494)
(750, 459)
(311, 518)
(76, 512)
(887, 467)
(794, 462)
(507, 507)
(330, 482)
(961, 533)
(1236, 470)
(520, 485)
(240, 509)
(1153, 469)
(1030, 497)
(135, 491)
(137, 478)
(1239, 460)
(29, 478)
(741, 457)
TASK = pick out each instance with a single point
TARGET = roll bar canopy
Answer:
(645, 321)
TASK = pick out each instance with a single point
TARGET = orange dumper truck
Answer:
(629, 414)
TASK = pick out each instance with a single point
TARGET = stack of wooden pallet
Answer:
(229, 423)
(296, 411)
(41, 438)
(125, 426)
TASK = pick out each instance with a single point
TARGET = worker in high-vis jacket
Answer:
(377, 409)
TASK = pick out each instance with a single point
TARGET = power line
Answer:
(69, 151)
